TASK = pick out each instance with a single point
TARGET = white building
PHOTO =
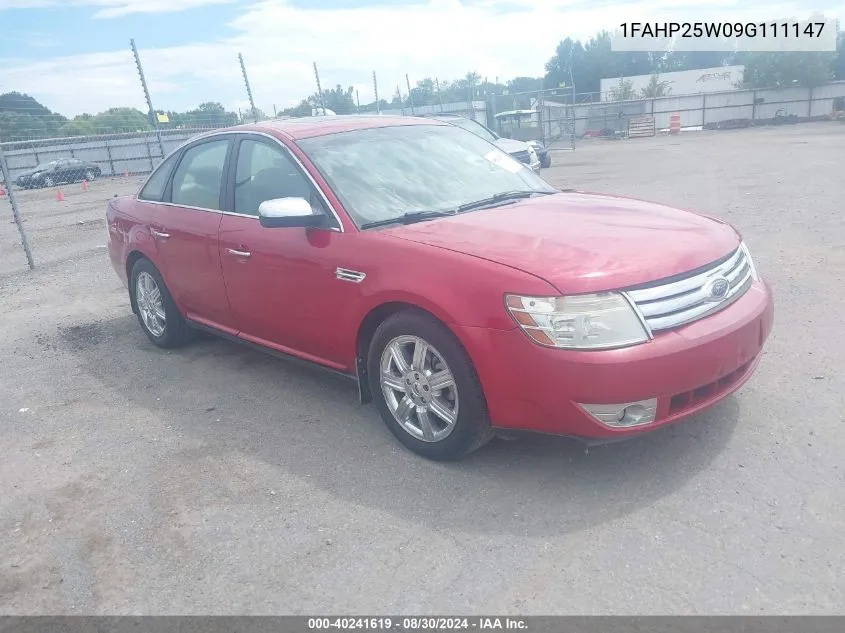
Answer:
(683, 82)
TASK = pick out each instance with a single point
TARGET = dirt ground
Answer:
(214, 479)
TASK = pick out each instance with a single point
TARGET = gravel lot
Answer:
(214, 479)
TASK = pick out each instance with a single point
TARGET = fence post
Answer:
(703, 110)
(248, 89)
(150, 153)
(375, 90)
(153, 115)
(810, 105)
(111, 160)
(10, 192)
(319, 89)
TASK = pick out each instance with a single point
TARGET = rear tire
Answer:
(157, 312)
(90, 175)
(546, 161)
(443, 410)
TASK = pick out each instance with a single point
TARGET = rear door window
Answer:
(199, 176)
(157, 183)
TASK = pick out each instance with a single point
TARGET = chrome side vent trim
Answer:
(344, 274)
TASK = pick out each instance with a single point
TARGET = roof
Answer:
(513, 112)
(307, 127)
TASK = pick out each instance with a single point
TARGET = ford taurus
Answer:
(465, 295)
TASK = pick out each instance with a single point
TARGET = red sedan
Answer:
(465, 295)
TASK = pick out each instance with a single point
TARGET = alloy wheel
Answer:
(150, 304)
(419, 388)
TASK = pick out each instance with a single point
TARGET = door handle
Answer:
(238, 253)
(155, 233)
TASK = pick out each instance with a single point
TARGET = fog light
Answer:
(624, 414)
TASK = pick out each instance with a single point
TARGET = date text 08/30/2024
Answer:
(421, 623)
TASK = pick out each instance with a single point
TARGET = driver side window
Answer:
(266, 172)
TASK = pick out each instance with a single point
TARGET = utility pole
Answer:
(410, 94)
(375, 89)
(152, 112)
(319, 89)
(357, 103)
(248, 89)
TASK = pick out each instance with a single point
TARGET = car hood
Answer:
(581, 242)
(510, 146)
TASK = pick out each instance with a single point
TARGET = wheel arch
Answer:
(367, 329)
(131, 259)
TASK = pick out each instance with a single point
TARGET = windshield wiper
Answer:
(500, 197)
(409, 218)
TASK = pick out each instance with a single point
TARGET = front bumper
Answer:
(689, 369)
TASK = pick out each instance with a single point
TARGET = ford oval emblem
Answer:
(716, 289)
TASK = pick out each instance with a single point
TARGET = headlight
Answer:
(595, 321)
(750, 262)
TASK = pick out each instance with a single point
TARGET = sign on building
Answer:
(684, 82)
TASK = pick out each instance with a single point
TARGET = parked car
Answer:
(543, 154)
(60, 171)
(523, 152)
(464, 294)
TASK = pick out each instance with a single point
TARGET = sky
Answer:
(74, 55)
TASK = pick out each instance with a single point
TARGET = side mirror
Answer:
(287, 213)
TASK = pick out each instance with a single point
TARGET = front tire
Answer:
(426, 389)
(48, 182)
(157, 312)
(546, 161)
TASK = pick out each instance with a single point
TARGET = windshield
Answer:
(475, 127)
(46, 166)
(383, 173)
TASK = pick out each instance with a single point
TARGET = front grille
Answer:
(522, 156)
(669, 305)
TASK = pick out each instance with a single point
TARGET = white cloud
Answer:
(115, 8)
(435, 38)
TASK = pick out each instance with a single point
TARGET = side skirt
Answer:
(266, 350)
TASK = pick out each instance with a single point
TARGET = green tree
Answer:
(22, 118)
(838, 65)
(655, 88)
(338, 100)
(567, 66)
(783, 69)
(623, 91)
(525, 84)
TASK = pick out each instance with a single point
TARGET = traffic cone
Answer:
(84, 185)
(60, 197)
(126, 173)
(2, 192)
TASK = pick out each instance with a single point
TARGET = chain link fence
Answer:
(61, 187)
(61, 172)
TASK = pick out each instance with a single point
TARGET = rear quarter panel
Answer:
(128, 224)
